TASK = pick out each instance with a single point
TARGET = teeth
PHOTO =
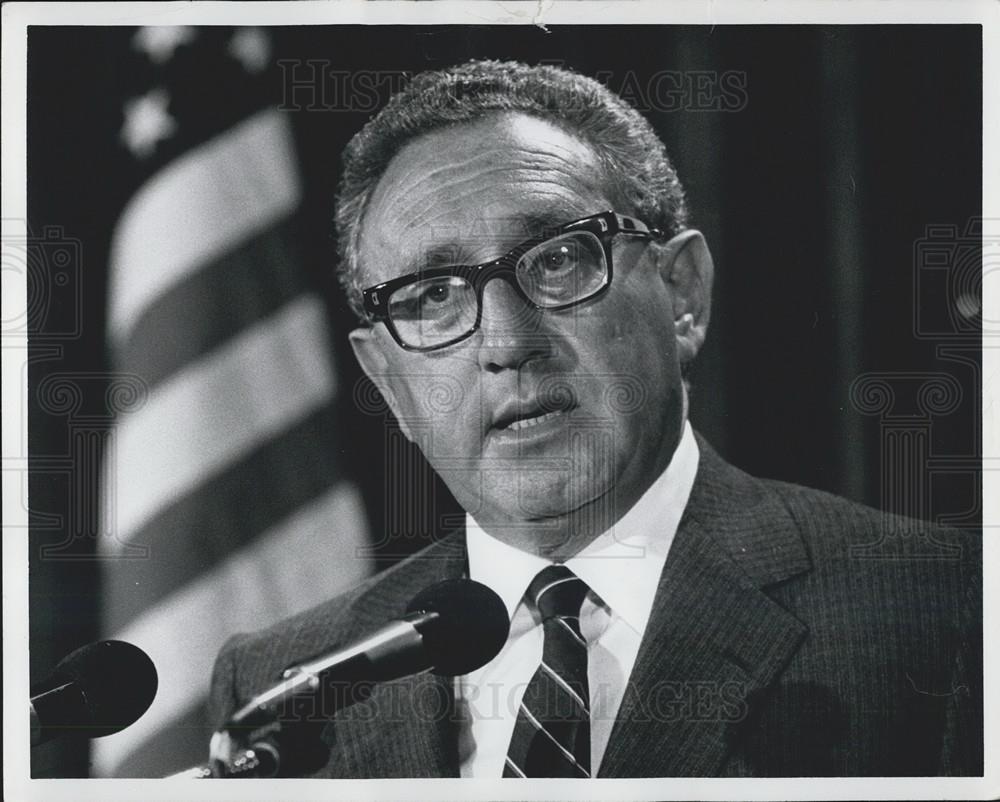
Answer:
(527, 423)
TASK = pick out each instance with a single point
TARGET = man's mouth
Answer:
(527, 423)
(521, 416)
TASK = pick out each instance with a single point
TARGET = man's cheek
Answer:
(447, 422)
(426, 399)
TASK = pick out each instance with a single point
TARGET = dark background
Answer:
(815, 195)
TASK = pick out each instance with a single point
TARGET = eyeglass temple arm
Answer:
(632, 225)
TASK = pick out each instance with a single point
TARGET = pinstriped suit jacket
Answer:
(793, 634)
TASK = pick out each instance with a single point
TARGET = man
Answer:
(515, 243)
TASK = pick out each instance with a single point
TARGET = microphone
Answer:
(451, 628)
(97, 690)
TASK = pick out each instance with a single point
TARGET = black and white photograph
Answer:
(537, 400)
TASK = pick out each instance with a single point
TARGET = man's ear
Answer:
(371, 357)
(686, 266)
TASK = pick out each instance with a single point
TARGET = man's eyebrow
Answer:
(441, 254)
(536, 224)
(528, 226)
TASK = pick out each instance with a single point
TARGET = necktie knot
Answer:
(557, 591)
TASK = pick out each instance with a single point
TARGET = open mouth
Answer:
(523, 416)
(527, 423)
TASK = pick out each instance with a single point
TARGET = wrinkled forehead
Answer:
(468, 193)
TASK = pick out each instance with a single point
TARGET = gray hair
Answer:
(633, 158)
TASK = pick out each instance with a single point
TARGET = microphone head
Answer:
(471, 627)
(116, 680)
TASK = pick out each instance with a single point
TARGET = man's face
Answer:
(546, 426)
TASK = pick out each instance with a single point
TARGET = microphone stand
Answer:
(248, 744)
(232, 760)
(395, 650)
(228, 759)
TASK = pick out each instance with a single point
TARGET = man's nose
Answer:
(512, 329)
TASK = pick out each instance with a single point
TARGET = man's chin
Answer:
(548, 517)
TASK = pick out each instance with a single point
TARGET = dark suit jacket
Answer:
(793, 633)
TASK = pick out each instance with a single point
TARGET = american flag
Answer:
(223, 491)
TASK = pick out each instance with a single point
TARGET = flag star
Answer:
(252, 48)
(160, 41)
(147, 122)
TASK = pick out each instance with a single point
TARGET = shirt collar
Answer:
(622, 565)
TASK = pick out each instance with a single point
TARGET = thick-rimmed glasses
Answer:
(441, 306)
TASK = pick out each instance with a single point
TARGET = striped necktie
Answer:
(552, 733)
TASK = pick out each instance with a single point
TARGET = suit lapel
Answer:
(715, 640)
(407, 727)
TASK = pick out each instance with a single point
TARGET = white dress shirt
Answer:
(622, 567)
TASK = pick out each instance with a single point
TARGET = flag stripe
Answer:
(239, 289)
(259, 383)
(199, 207)
(296, 565)
(196, 533)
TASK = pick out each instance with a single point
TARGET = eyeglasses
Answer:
(441, 306)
